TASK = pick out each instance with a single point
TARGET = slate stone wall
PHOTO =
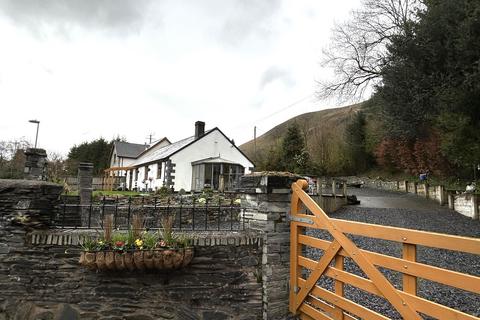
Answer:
(267, 208)
(40, 277)
(222, 282)
(35, 164)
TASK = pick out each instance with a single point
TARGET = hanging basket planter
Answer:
(158, 259)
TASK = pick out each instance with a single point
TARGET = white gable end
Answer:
(212, 145)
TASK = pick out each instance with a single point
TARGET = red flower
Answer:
(119, 244)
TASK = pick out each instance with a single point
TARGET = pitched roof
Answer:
(153, 146)
(167, 151)
(129, 150)
(164, 152)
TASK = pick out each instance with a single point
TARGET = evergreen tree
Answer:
(96, 152)
(294, 156)
(356, 143)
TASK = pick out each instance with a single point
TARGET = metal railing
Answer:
(189, 214)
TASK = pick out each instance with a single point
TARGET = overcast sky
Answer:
(105, 68)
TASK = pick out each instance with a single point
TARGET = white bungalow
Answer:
(207, 159)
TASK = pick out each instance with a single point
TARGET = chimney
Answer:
(199, 129)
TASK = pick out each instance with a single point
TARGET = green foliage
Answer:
(97, 152)
(149, 240)
(207, 193)
(184, 241)
(163, 192)
(294, 156)
(89, 244)
(356, 147)
(292, 145)
(432, 83)
(166, 233)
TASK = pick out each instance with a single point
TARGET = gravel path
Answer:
(408, 211)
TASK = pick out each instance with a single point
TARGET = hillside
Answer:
(322, 130)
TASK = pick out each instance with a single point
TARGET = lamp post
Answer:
(38, 125)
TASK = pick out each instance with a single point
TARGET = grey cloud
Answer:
(249, 17)
(107, 15)
(275, 73)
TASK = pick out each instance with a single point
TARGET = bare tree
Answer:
(358, 49)
(56, 169)
(12, 157)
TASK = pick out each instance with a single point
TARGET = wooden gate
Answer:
(310, 301)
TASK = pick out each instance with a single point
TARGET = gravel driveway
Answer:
(408, 211)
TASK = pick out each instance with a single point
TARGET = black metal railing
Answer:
(189, 214)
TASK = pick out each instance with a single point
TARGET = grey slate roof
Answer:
(164, 152)
(129, 150)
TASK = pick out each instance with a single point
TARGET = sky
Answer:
(133, 68)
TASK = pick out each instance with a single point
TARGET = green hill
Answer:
(323, 132)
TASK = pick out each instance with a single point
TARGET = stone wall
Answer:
(466, 204)
(40, 277)
(40, 274)
(28, 199)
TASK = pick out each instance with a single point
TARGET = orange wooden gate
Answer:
(310, 301)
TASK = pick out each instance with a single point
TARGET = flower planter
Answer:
(158, 259)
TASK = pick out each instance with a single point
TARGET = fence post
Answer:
(85, 177)
(35, 164)
(415, 189)
(339, 286)
(266, 200)
(405, 183)
(427, 190)
(475, 204)
(441, 191)
(451, 200)
(410, 282)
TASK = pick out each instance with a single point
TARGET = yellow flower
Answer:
(138, 243)
(100, 242)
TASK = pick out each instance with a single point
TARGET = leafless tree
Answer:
(56, 169)
(358, 51)
(12, 157)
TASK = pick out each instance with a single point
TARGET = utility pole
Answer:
(150, 137)
(255, 142)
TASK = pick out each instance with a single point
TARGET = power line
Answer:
(285, 108)
(276, 112)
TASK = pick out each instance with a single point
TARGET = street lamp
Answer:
(38, 125)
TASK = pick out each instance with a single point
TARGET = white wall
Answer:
(212, 145)
(154, 184)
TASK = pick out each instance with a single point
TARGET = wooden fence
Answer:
(310, 301)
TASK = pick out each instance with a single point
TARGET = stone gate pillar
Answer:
(35, 164)
(85, 188)
(267, 202)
